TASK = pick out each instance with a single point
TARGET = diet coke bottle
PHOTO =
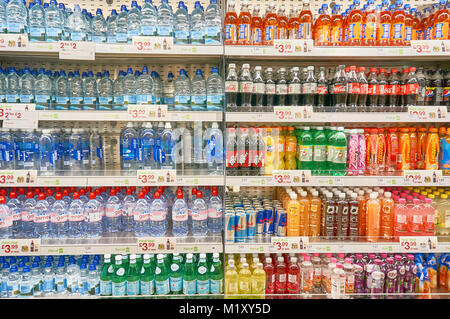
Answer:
(339, 92)
(363, 89)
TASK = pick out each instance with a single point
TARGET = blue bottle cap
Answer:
(13, 268)
(53, 2)
(164, 1)
(71, 74)
(215, 69)
(5, 265)
(170, 75)
(83, 266)
(76, 73)
(182, 71)
(84, 75)
(324, 6)
(12, 69)
(25, 269)
(31, 5)
(61, 6)
(106, 73)
(137, 73)
(198, 72)
(27, 70)
(50, 258)
(90, 73)
(134, 4)
(99, 12)
(92, 267)
(197, 4)
(129, 71)
(35, 265)
(37, 258)
(212, 1)
(21, 264)
(181, 4)
(148, 1)
(76, 8)
(69, 11)
(123, 7)
(99, 74)
(62, 73)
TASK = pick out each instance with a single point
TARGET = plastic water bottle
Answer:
(27, 86)
(76, 217)
(42, 90)
(77, 25)
(215, 212)
(6, 219)
(113, 213)
(16, 17)
(182, 101)
(181, 27)
(15, 208)
(111, 30)
(147, 137)
(50, 198)
(74, 151)
(215, 91)
(144, 87)
(169, 90)
(128, 147)
(2, 82)
(6, 149)
(165, 19)
(3, 23)
(59, 218)
(42, 218)
(62, 91)
(168, 148)
(54, 22)
(105, 92)
(157, 88)
(48, 279)
(180, 226)
(213, 24)
(29, 151)
(28, 216)
(149, 19)
(158, 213)
(85, 151)
(99, 27)
(72, 277)
(90, 92)
(129, 88)
(13, 284)
(215, 150)
(141, 216)
(96, 145)
(133, 22)
(118, 92)
(76, 91)
(199, 216)
(36, 21)
(47, 153)
(122, 25)
(88, 17)
(93, 215)
(128, 209)
(197, 24)
(198, 88)
(12, 86)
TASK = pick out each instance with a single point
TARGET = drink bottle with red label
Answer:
(281, 88)
(403, 80)
(373, 89)
(231, 152)
(321, 91)
(294, 87)
(243, 156)
(258, 90)
(256, 151)
(446, 89)
(383, 91)
(269, 93)
(412, 88)
(339, 92)
(245, 89)
(394, 91)
(363, 89)
(231, 88)
(353, 89)
(309, 87)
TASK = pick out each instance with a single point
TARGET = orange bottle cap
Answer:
(433, 130)
(412, 129)
(422, 129)
(374, 131)
(404, 130)
(380, 130)
(392, 129)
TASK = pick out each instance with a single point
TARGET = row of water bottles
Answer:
(25, 276)
(54, 22)
(106, 211)
(59, 90)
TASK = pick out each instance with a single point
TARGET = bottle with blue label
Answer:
(189, 277)
(36, 21)
(161, 276)
(168, 148)
(105, 87)
(99, 27)
(133, 22)
(77, 25)
(169, 90)
(12, 86)
(147, 137)
(54, 22)
(128, 147)
(197, 27)
(182, 101)
(76, 91)
(182, 26)
(16, 17)
(119, 279)
(216, 275)
(157, 97)
(43, 90)
(129, 88)
(149, 19)
(144, 87)
(198, 91)
(165, 19)
(214, 91)
(122, 25)
(176, 275)
(27, 86)
(213, 23)
(111, 29)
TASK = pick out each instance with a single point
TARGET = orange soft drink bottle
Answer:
(430, 22)
(432, 150)
(244, 24)
(413, 148)
(373, 218)
(384, 28)
(322, 27)
(404, 150)
(421, 147)
(387, 216)
(345, 26)
(306, 22)
(381, 156)
(230, 22)
(423, 24)
(290, 146)
(305, 206)
(361, 213)
(370, 24)
(355, 25)
(270, 24)
(416, 25)
(257, 27)
(398, 25)
(337, 27)
(391, 150)
(373, 150)
(294, 24)
(409, 20)
(283, 24)
(293, 216)
(441, 22)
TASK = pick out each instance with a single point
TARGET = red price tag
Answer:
(67, 45)
(282, 178)
(281, 245)
(6, 179)
(9, 248)
(147, 178)
(147, 246)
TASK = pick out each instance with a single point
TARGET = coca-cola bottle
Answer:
(321, 91)
(231, 88)
(394, 91)
(363, 89)
(435, 90)
(243, 156)
(245, 89)
(412, 88)
(231, 152)
(269, 95)
(382, 91)
(258, 90)
(281, 88)
(352, 89)
(309, 87)
(330, 77)
(403, 80)
(373, 89)
(423, 83)
(294, 87)
(256, 151)
(339, 92)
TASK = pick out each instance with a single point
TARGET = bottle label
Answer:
(339, 88)
(147, 287)
(16, 215)
(294, 88)
(354, 31)
(148, 29)
(197, 35)
(41, 217)
(132, 288)
(113, 212)
(305, 30)
(412, 89)
(180, 215)
(54, 32)
(157, 215)
(364, 89)
(243, 158)
(257, 158)
(441, 31)
(165, 31)
(76, 100)
(118, 289)
(162, 287)
(232, 287)
(182, 100)
(231, 159)
(27, 216)
(216, 286)
(199, 215)
(130, 99)
(90, 100)
(44, 99)
(269, 33)
(257, 36)
(322, 90)
(93, 217)
(98, 38)
(60, 217)
(181, 35)
(203, 286)
(270, 88)
(15, 27)
(215, 213)
(198, 101)
(230, 32)
(106, 287)
(176, 284)
(320, 153)
(214, 102)
(353, 88)
(26, 98)
(189, 287)
(105, 99)
(370, 31)
(398, 31)
(386, 31)
(62, 100)
(231, 86)
(212, 34)
(6, 222)
(78, 36)
(306, 153)
(246, 87)
(25, 290)
(382, 89)
(258, 88)
(12, 98)
(408, 33)
(340, 155)
(281, 89)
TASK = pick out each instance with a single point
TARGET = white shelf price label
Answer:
(418, 243)
(18, 115)
(422, 177)
(427, 112)
(292, 47)
(430, 47)
(20, 246)
(18, 178)
(157, 176)
(147, 112)
(146, 44)
(13, 42)
(293, 113)
(288, 177)
(155, 244)
(290, 243)
(76, 50)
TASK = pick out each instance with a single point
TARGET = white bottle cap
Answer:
(342, 195)
(387, 194)
(373, 196)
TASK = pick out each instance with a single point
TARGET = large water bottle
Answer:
(112, 27)
(65, 150)
(128, 209)
(147, 137)
(122, 26)
(168, 148)
(76, 217)
(50, 198)
(182, 101)
(99, 27)
(2, 85)
(215, 211)
(72, 277)
(158, 214)
(129, 147)
(169, 91)
(180, 226)
(76, 91)
(113, 213)
(96, 146)
(27, 86)
(59, 218)
(3, 23)
(165, 19)
(15, 207)
(197, 24)
(133, 22)
(118, 92)
(141, 216)
(77, 24)
(213, 24)
(75, 149)
(13, 282)
(36, 22)
(42, 218)
(90, 92)
(129, 88)
(198, 89)
(214, 91)
(28, 216)
(6, 149)
(54, 22)
(215, 150)
(43, 90)
(181, 27)
(157, 97)
(12, 86)
(93, 215)
(62, 92)
(48, 279)
(29, 151)
(199, 216)
(6, 219)
(47, 153)
(16, 17)
(85, 151)
(105, 92)
(144, 87)
(149, 19)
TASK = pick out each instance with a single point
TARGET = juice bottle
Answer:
(293, 281)
(291, 143)
(345, 25)
(415, 218)
(230, 22)
(404, 150)
(306, 150)
(398, 25)
(269, 153)
(415, 26)
(245, 281)
(283, 23)
(315, 214)
(400, 218)
(413, 148)
(362, 207)
(270, 24)
(269, 269)
(381, 157)
(373, 218)
(384, 28)
(373, 152)
(441, 23)
(280, 276)
(423, 24)
(293, 216)
(322, 27)
(294, 24)
(306, 22)
(370, 25)
(337, 27)
(307, 275)
(305, 206)
(258, 282)
(432, 150)
(387, 217)
(355, 24)
(421, 147)
(444, 158)
(409, 20)
(430, 22)
(244, 25)
(231, 281)
(279, 148)
(391, 150)
(257, 27)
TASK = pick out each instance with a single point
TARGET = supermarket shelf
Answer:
(65, 296)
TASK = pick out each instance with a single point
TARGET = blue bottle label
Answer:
(132, 288)
(98, 38)
(90, 100)
(15, 27)
(118, 289)
(54, 32)
(25, 289)
(169, 100)
(130, 99)
(147, 287)
(148, 30)
(165, 31)
(121, 37)
(60, 285)
(119, 101)
(105, 99)
(62, 100)
(385, 30)
(176, 284)
(398, 31)
(12, 98)
(142, 99)
(106, 287)
(48, 285)
(215, 101)
(162, 287)
(212, 32)
(42, 99)
(76, 100)
(189, 287)
(198, 102)
(181, 101)
(216, 286)
(26, 98)
(156, 100)
(133, 33)
(203, 286)
(111, 39)
(78, 36)
(182, 35)
(37, 32)
(197, 35)
(13, 290)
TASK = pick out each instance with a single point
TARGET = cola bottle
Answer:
(363, 89)
(321, 91)
(352, 89)
(339, 92)
(330, 78)
(403, 80)
(394, 91)
(258, 90)
(423, 83)
(303, 76)
(294, 87)
(245, 88)
(243, 156)
(231, 88)
(373, 90)
(412, 87)
(256, 151)
(446, 89)
(231, 152)
(382, 91)
(433, 94)
(281, 88)
(270, 90)
(309, 87)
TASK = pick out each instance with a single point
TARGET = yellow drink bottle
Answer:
(291, 144)
(258, 282)
(245, 288)
(231, 282)
(293, 216)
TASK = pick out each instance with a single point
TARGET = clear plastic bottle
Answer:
(182, 92)
(149, 19)
(245, 89)
(16, 17)
(158, 213)
(99, 27)
(93, 216)
(77, 24)
(338, 278)
(198, 92)
(169, 91)
(36, 21)
(6, 219)
(215, 154)
(130, 87)
(214, 91)
(213, 24)
(76, 91)
(199, 216)
(165, 19)
(121, 25)
(133, 22)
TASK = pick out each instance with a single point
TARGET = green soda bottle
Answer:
(176, 275)
(306, 150)
(162, 276)
(203, 276)
(139, 261)
(320, 152)
(119, 279)
(106, 276)
(125, 261)
(133, 277)
(147, 279)
(216, 275)
(340, 153)
(167, 261)
(330, 150)
(189, 278)
(298, 132)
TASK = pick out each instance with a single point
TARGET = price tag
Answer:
(290, 243)
(435, 113)
(156, 244)
(18, 178)
(293, 113)
(76, 50)
(13, 42)
(18, 115)
(418, 244)
(292, 47)
(289, 177)
(422, 177)
(20, 246)
(430, 47)
(147, 112)
(157, 176)
(146, 44)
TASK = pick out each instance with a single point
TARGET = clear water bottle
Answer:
(129, 88)
(76, 91)
(50, 198)
(165, 19)
(54, 22)
(111, 29)
(99, 27)
(42, 218)
(93, 215)
(47, 153)
(90, 92)
(6, 149)
(72, 277)
(88, 17)
(168, 148)
(133, 22)
(28, 216)
(2, 84)
(77, 25)
(213, 23)
(214, 91)
(105, 92)
(6, 219)
(182, 92)
(66, 150)
(180, 226)
(3, 23)
(113, 213)
(48, 279)
(59, 218)
(76, 217)
(158, 213)
(15, 207)
(42, 90)
(198, 91)
(181, 27)
(75, 150)
(36, 21)
(144, 87)
(169, 91)
(197, 28)
(93, 281)
(128, 147)
(85, 151)
(16, 17)
(96, 147)
(129, 204)
(149, 19)
(118, 92)
(62, 91)
(215, 150)
(122, 25)
(27, 86)
(13, 283)
(141, 216)
(199, 216)
(157, 97)
(29, 151)
(12, 86)
(147, 137)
